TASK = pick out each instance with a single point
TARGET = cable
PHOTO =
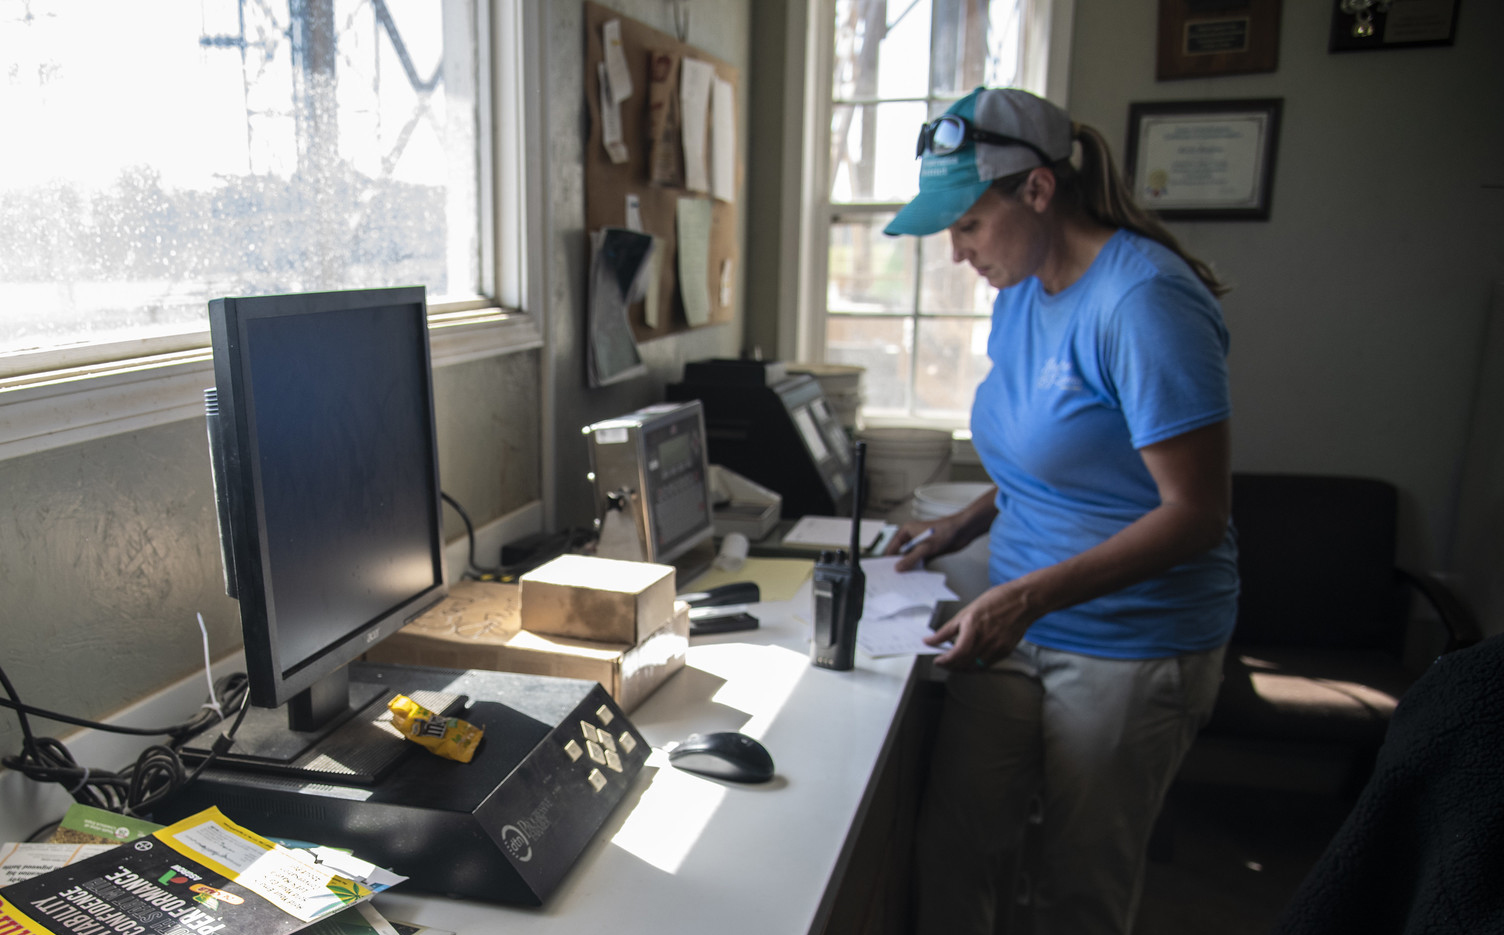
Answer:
(157, 773)
(231, 688)
(473, 569)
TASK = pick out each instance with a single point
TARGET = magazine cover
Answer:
(201, 876)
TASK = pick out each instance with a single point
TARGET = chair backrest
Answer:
(1316, 557)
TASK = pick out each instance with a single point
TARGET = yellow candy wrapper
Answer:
(449, 737)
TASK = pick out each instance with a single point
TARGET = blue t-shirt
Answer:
(1132, 353)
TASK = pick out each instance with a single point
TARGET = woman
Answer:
(1081, 676)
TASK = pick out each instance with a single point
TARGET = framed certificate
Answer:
(1203, 160)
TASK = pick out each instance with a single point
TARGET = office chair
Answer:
(1318, 651)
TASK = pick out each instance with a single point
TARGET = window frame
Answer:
(1047, 25)
(62, 396)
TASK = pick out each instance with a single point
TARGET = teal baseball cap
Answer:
(989, 134)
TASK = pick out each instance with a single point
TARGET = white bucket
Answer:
(900, 460)
(932, 501)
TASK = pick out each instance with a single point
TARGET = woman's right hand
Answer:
(930, 538)
(945, 535)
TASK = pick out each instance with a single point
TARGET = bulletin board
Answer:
(608, 184)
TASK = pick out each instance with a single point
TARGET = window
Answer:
(898, 306)
(165, 153)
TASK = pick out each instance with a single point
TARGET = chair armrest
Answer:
(1462, 626)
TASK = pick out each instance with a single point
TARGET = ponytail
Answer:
(1097, 189)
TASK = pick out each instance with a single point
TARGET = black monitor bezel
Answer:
(274, 681)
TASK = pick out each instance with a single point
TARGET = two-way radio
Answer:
(841, 589)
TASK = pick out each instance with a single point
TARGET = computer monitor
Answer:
(321, 429)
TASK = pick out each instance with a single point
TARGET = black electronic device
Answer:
(840, 591)
(773, 428)
(557, 758)
(325, 459)
(724, 755)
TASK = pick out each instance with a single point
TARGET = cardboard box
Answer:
(607, 600)
(478, 627)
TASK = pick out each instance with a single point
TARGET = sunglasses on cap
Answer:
(945, 135)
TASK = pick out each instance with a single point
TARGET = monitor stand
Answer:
(557, 757)
(359, 745)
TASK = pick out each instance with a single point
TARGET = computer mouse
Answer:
(724, 755)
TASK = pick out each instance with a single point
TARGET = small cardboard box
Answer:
(584, 597)
(477, 627)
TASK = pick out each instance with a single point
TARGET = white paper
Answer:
(725, 282)
(616, 62)
(723, 141)
(694, 259)
(891, 592)
(898, 608)
(634, 212)
(695, 80)
(20, 861)
(833, 532)
(899, 635)
(610, 120)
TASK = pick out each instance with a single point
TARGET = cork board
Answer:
(608, 184)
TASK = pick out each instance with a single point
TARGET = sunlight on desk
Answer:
(674, 812)
(671, 816)
(759, 679)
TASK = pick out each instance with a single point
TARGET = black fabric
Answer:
(1423, 850)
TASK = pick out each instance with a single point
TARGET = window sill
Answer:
(49, 410)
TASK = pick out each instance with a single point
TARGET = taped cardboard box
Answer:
(608, 600)
(479, 627)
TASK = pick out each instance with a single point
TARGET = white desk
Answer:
(684, 853)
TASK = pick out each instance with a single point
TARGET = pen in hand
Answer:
(904, 549)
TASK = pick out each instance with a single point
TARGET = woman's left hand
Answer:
(985, 630)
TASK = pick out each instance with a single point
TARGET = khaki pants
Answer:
(1096, 742)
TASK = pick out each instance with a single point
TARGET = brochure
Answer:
(201, 876)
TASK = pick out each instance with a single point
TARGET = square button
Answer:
(595, 751)
(627, 741)
(573, 749)
(604, 713)
(613, 761)
(597, 779)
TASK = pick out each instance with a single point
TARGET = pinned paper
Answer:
(695, 81)
(651, 293)
(725, 282)
(723, 141)
(665, 155)
(616, 62)
(618, 262)
(694, 258)
(634, 212)
(610, 120)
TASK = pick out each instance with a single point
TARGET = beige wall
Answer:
(109, 548)
(1360, 305)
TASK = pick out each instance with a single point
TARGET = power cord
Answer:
(157, 773)
(568, 540)
(473, 570)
